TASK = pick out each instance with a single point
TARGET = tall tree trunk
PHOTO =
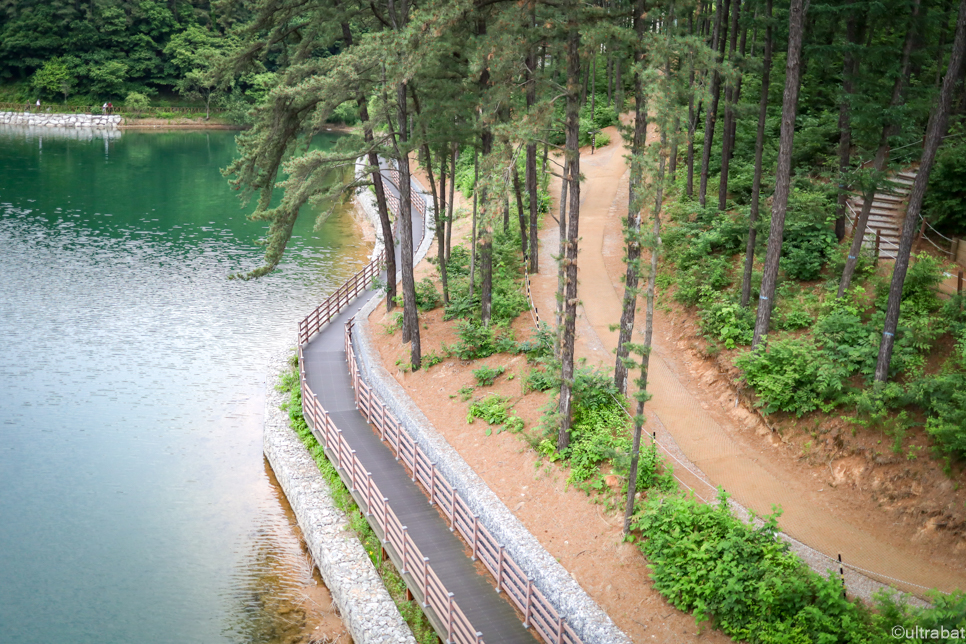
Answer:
(730, 100)
(718, 39)
(673, 161)
(441, 226)
(569, 250)
(520, 214)
(849, 69)
(888, 129)
(562, 244)
(934, 136)
(452, 201)
(783, 174)
(618, 87)
(634, 204)
(380, 189)
(531, 161)
(410, 315)
(759, 149)
(642, 394)
(476, 200)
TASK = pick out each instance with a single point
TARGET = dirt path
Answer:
(707, 439)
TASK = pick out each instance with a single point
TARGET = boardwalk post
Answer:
(425, 582)
(415, 461)
(476, 523)
(560, 629)
(499, 573)
(452, 509)
(526, 613)
(368, 494)
(405, 549)
(352, 469)
(449, 619)
(385, 520)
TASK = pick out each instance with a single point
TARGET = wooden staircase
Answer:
(887, 214)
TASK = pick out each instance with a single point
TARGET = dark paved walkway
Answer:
(328, 376)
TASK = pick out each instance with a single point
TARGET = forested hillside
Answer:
(761, 136)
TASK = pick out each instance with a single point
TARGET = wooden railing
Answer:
(55, 108)
(353, 287)
(415, 567)
(538, 612)
(343, 295)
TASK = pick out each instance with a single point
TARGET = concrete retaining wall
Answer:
(43, 119)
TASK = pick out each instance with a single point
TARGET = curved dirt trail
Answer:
(807, 516)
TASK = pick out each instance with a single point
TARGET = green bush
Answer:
(537, 380)
(495, 410)
(486, 376)
(427, 297)
(742, 577)
(793, 376)
(728, 322)
(540, 344)
(476, 341)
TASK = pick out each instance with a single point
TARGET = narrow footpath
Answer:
(806, 516)
(327, 375)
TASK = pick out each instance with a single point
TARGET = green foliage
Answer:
(427, 297)
(476, 341)
(495, 410)
(486, 376)
(599, 433)
(945, 202)
(728, 322)
(540, 344)
(741, 576)
(793, 376)
(537, 380)
(136, 102)
(53, 78)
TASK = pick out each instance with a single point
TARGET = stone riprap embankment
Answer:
(44, 119)
(365, 606)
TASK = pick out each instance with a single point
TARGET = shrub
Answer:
(537, 380)
(599, 433)
(136, 102)
(427, 297)
(476, 341)
(540, 344)
(793, 376)
(486, 376)
(728, 322)
(742, 576)
(495, 410)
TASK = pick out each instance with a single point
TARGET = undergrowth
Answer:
(744, 580)
(410, 610)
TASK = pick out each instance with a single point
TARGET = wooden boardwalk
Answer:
(327, 375)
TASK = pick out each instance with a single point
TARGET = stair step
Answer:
(908, 175)
(906, 181)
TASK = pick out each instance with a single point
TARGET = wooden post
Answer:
(560, 628)
(452, 510)
(842, 570)
(385, 520)
(415, 461)
(425, 581)
(499, 573)
(959, 283)
(352, 469)
(368, 494)
(922, 229)
(449, 619)
(432, 482)
(476, 522)
(878, 241)
(526, 613)
(954, 248)
(405, 551)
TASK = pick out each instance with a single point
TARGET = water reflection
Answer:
(133, 496)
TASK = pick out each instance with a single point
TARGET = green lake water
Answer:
(135, 505)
